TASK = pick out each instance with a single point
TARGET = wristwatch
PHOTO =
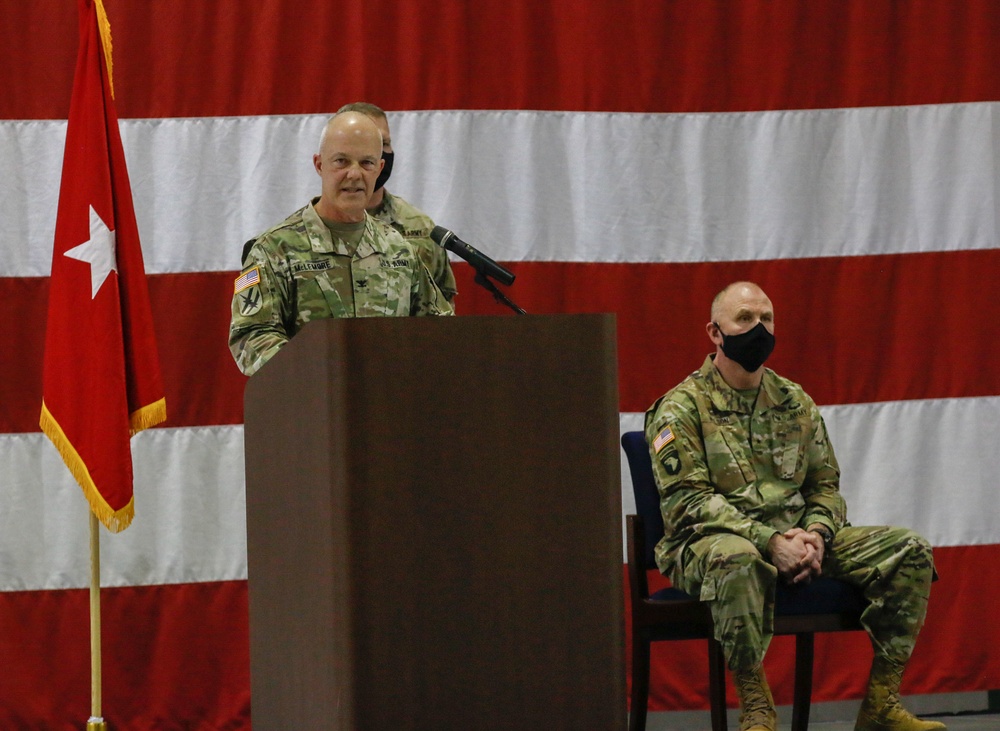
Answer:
(823, 532)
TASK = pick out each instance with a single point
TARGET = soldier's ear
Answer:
(714, 333)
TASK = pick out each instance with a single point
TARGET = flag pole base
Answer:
(96, 724)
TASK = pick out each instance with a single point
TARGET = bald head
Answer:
(739, 292)
(349, 123)
(348, 162)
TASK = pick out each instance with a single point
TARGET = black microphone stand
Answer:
(500, 297)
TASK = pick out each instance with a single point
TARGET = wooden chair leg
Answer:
(804, 646)
(640, 682)
(717, 685)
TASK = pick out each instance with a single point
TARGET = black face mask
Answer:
(383, 176)
(749, 349)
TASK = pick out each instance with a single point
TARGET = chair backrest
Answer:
(647, 497)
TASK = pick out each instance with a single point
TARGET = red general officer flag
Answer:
(101, 380)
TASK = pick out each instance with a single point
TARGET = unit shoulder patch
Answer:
(250, 300)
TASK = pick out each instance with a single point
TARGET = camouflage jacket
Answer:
(415, 226)
(297, 272)
(726, 463)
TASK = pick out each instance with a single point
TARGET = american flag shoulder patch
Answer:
(247, 279)
(662, 439)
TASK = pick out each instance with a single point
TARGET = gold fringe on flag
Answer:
(114, 520)
(105, 27)
(147, 416)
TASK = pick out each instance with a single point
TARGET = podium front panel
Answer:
(433, 526)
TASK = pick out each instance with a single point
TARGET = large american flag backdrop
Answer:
(622, 157)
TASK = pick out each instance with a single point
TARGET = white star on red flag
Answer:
(98, 251)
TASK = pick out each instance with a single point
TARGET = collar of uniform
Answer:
(323, 242)
(370, 242)
(726, 398)
(773, 394)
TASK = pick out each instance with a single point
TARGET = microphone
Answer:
(479, 261)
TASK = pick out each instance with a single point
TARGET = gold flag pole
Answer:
(95, 723)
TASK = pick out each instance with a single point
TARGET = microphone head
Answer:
(439, 234)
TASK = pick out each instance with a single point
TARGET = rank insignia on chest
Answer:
(662, 439)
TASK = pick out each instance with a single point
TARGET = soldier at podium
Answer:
(329, 258)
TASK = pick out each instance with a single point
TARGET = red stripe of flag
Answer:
(709, 56)
(932, 345)
(101, 377)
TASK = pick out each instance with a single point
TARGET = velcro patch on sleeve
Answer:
(662, 439)
(247, 279)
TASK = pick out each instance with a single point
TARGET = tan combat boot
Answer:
(881, 709)
(756, 704)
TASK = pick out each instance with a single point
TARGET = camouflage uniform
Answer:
(297, 272)
(733, 469)
(415, 226)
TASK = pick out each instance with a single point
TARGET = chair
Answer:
(824, 605)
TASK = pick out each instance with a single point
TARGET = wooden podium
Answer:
(434, 526)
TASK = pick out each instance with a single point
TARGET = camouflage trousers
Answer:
(892, 566)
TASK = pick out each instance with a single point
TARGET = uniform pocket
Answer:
(384, 289)
(788, 451)
(318, 297)
(729, 460)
